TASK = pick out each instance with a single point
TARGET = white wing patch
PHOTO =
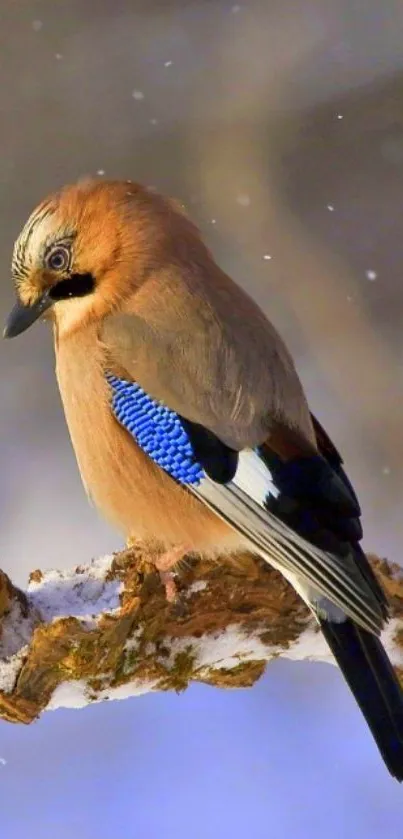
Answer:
(254, 478)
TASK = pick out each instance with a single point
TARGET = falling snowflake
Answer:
(168, 63)
(330, 207)
(213, 221)
(138, 95)
(339, 116)
(100, 171)
(235, 9)
(153, 121)
(243, 200)
(37, 25)
(371, 275)
(3, 761)
(267, 256)
(386, 470)
(58, 56)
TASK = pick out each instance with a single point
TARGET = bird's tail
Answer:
(372, 679)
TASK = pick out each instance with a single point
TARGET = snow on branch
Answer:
(105, 631)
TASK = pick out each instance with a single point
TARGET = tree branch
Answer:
(105, 631)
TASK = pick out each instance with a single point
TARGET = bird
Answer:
(189, 421)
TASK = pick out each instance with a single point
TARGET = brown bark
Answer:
(120, 637)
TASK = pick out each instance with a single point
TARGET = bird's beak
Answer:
(22, 317)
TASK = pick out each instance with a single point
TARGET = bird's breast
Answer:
(127, 487)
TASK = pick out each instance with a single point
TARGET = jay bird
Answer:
(189, 422)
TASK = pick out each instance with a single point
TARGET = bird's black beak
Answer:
(22, 317)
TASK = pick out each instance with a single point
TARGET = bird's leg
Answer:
(165, 564)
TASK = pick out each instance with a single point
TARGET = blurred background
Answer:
(280, 125)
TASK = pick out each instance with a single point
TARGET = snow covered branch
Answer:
(105, 631)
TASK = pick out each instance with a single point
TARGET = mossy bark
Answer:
(231, 618)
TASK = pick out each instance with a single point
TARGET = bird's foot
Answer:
(171, 590)
(165, 563)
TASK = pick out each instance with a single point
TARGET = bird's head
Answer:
(84, 251)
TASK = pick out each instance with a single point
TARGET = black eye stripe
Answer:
(78, 285)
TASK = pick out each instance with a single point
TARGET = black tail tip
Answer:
(374, 683)
(392, 754)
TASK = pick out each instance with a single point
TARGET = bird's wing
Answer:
(330, 453)
(205, 349)
(250, 490)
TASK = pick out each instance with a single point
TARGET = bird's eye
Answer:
(58, 259)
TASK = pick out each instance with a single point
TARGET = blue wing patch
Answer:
(158, 431)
